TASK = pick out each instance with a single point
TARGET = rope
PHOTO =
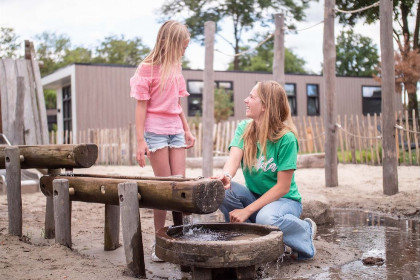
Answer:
(316, 137)
(248, 50)
(404, 129)
(358, 10)
(357, 136)
(306, 28)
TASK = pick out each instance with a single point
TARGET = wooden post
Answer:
(14, 191)
(112, 227)
(389, 167)
(131, 228)
(330, 115)
(208, 100)
(352, 141)
(49, 211)
(62, 212)
(278, 62)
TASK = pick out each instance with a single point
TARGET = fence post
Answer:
(62, 212)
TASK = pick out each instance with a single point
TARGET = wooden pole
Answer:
(278, 62)
(330, 115)
(389, 166)
(49, 211)
(112, 227)
(14, 191)
(62, 213)
(131, 228)
(208, 99)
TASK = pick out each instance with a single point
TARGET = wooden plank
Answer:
(416, 140)
(340, 135)
(378, 141)
(131, 228)
(42, 113)
(14, 191)
(62, 212)
(313, 134)
(8, 96)
(112, 227)
(352, 140)
(401, 135)
(359, 139)
(19, 117)
(407, 127)
(397, 140)
(372, 155)
(347, 145)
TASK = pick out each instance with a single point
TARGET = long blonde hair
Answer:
(168, 49)
(275, 122)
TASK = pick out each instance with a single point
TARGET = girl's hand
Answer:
(239, 215)
(225, 180)
(189, 139)
(141, 151)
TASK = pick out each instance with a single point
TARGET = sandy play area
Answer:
(33, 257)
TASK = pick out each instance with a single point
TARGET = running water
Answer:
(187, 221)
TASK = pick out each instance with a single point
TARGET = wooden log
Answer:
(199, 196)
(112, 227)
(55, 156)
(62, 213)
(202, 273)
(131, 227)
(14, 191)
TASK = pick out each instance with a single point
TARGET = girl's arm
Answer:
(142, 149)
(189, 138)
(231, 166)
(282, 187)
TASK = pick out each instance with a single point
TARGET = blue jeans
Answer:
(283, 213)
(159, 141)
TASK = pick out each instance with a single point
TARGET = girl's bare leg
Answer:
(177, 161)
(161, 168)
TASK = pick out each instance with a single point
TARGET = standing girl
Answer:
(266, 147)
(161, 127)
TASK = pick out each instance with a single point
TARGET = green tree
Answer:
(356, 55)
(261, 59)
(8, 43)
(405, 34)
(77, 55)
(242, 16)
(223, 105)
(51, 50)
(117, 50)
(50, 99)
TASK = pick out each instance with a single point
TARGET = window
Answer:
(67, 123)
(291, 97)
(195, 100)
(371, 100)
(312, 93)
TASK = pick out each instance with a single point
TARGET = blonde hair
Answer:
(276, 121)
(168, 49)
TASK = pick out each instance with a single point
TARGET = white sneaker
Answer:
(313, 232)
(154, 257)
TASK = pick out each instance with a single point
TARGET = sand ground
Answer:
(33, 257)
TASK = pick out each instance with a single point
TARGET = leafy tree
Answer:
(406, 36)
(356, 55)
(223, 105)
(50, 99)
(242, 15)
(8, 45)
(51, 51)
(77, 55)
(117, 50)
(261, 59)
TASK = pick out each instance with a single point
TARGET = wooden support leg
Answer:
(131, 228)
(178, 221)
(62, 212)
(112, 227)
(49, 211)
(200, 273)
(14, 191)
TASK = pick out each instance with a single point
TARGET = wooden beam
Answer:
(55, 156)
(62, 212)
(199, 196)
(14, 192)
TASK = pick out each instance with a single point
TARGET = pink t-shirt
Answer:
(163, 106)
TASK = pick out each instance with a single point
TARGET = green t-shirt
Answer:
(281, 155)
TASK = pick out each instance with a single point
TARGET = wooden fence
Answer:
(359, 139)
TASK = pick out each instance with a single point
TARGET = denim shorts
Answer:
(159, 141)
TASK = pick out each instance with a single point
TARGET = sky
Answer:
(89, 22)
